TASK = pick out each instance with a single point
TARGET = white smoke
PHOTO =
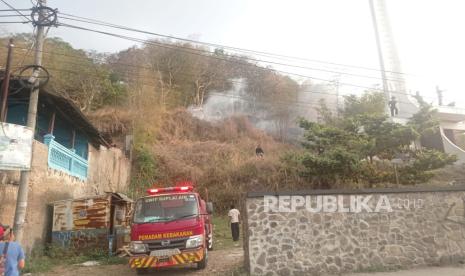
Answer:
(237, 101)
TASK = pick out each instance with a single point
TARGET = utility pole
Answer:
(21, 201)
(6, 80)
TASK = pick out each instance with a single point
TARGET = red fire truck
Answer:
(171, 226)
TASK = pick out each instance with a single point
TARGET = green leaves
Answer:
(373, 103)
(425, 121)
(359, 145)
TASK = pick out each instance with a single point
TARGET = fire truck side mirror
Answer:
(210, 207)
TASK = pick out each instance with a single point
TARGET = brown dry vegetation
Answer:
(172, 146)
(218, 156)
(113, 123)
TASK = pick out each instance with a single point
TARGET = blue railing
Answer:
(64, 159)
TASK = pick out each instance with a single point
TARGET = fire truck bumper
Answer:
(185, 257)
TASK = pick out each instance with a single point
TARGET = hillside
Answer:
(146, 92)
(218, 156)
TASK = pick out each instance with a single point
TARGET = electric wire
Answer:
(219, 58)
(29, 50)
(274, 62)
(14, 22)
(143, 41)
(10, 15)
(164, 71)
(303, 105)
(16, 10)
(103, 23)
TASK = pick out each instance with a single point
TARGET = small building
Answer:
(62, 127)
(92, 222)
(70, 159)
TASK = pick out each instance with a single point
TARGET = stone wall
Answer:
(421, 227)
(108, 171)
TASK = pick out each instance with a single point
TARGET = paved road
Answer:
(429, 271)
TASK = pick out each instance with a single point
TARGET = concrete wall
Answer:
(108, 171)
(422, 227)
(451, 148)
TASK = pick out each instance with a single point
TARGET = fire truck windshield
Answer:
(165, 208)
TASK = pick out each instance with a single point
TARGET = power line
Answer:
(9, 15)
(190, 49)
(103, 23)
(30, 48)
(248, 64)
(14, 22)
(253, 59)
(219, 58)
(164, 71)
(146, 82)
(151, 84)
(16, 10)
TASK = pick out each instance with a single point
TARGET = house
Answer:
(451, 126)
(70, 159)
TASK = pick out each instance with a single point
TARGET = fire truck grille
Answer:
(173, 243)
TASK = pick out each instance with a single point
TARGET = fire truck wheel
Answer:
(203, 263)
(142, 271)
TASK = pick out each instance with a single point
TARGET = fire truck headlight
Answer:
(138, 247)
(194, 241)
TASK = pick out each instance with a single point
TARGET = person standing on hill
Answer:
(234, 215)
(259, 151)
(11, 254)
(393, 106)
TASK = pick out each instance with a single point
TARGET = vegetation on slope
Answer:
(144, 91)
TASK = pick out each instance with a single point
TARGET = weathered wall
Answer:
(108, 171)
(423, 227)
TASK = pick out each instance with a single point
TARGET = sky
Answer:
(428, 34)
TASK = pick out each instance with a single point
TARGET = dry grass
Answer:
(173, 146)
(111, 120)
(219, 156)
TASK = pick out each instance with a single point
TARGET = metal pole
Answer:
(380, 53)
(397, 175)
(6, 80)
(21, 202)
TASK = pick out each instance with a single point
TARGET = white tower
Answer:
(391, 70)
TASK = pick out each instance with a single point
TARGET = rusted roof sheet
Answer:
(91, 213)
(88, 212)
(121, 196)
(85, 213)
(95, 196)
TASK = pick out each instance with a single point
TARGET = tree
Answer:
(75, 74)
(368, 103)
(357, 146)
(425, 121)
